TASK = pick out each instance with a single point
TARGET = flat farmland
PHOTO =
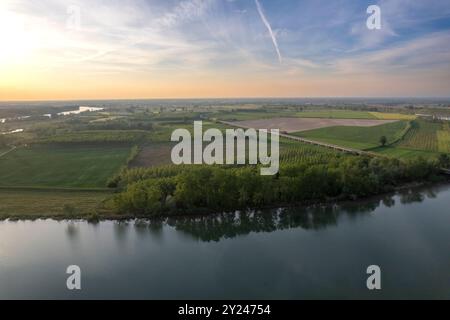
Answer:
(403, 153)
(304, 124)
(443, 137)
(358, 137)
(427, 135)
(51, 166)
(48, 203)
(336, 114)
(153, 155)
(393, 116)
(422, 136)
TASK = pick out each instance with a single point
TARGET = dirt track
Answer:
(304, 124)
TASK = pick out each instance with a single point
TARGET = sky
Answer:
(120, 49)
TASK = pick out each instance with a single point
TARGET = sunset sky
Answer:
(222, 48)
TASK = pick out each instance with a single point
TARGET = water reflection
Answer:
(72, 230)
(230, 225)
(323, 252)
(120, 231)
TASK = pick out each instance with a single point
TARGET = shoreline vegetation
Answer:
(172, 191)
(103, 214)
(168, 191)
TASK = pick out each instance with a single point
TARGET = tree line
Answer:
(200, 189)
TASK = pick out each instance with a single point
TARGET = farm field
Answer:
(69, 166)
(336, 114)
(304, 124)
(294, 151)
(4, 150)
(357, 137)
(67, 162)
(243, 115)
(163, 131)
(443, 137)
(45, 203)
(159, 154)
(392, 116)
(324, 114)
(427, 135)
(403, 153)
(100, 136)
(152, 155)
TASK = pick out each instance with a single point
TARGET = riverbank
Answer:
(32, 203)
(94, 206)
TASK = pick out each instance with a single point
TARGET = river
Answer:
(297, 253)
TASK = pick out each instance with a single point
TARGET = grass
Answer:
(292, 151)
(425, 139)
(422, 136)
(48, 203)
(100, 136)
(362, 138)
(443, 137)
(392, 116)
(403, 153)
(152, 155)
(62, 166)
(328, 114)
(3, 150)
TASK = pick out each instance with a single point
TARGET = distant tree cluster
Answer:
(121, 124)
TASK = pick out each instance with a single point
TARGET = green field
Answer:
(100, 136)
(443, 137)
(327, 114)
(62, 166)
(403, 153)
(392, 116)
(42, 203)
(357, 137)
(428, 136)
(294, 151)
(3, 150)
(423, 136)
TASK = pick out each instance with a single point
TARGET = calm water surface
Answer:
(279, 254)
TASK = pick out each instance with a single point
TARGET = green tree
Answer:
(444, 160)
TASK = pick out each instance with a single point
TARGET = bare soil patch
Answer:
(303, 124)
(153, 155)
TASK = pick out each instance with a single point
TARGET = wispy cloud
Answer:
(186, 10)
(222, 48)
(269, 28)
(430, 53)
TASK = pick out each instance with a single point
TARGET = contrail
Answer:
(267, 24)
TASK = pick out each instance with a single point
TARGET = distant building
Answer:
(432, 117)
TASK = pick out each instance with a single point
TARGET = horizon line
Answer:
(227, 98)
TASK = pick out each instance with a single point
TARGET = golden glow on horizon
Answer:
(72, 87)
(40, 60)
